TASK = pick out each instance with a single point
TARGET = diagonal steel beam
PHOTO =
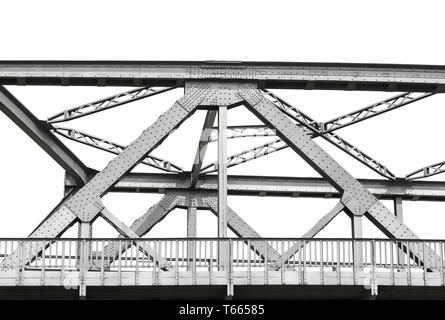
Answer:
(112, 147)
(356, 198)
(247, 155)
(372, 110)
(106, 103)
(126, 231)
(427, 171)
(312, 232)
(40, 133)
(242, 229)
(202, 146)
(145, 223)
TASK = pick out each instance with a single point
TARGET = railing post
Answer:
(442, 276)
(19, 263)
(229, 268)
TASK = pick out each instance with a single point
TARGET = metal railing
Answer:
(299, 261)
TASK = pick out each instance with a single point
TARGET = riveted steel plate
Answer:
(358, 199)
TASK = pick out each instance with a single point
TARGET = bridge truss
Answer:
(217, 87)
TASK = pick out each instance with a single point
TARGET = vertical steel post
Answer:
(357, 234)
(398, 211)
(191, 234)
(222, 185)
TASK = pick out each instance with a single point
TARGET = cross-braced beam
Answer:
(357, 199)
(106, 103)
(39, 132)
(112, 147)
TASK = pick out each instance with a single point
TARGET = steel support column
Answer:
(357, 247)
(222, 185)
(398, 211)
(191, 234)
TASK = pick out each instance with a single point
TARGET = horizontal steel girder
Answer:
(276, 186)
(39, 132)
(298, 75)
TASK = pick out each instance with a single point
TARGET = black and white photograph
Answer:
(222, 155)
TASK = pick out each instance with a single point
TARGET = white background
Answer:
(325, 31)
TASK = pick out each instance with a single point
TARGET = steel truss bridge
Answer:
(242, 265)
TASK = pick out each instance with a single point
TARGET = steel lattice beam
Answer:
(234, 132)
(372, 110)
(274, 75)
(427, 171)
(113, 147)
(40, 133)
(106, 103)
(247, 155)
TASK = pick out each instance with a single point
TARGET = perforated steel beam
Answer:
(356, 198)
(234, 132)
(247, 155)
(112, 147)
(106, 103)
(372, 110)
(427, 171)
(299, 75)
(40, 133)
